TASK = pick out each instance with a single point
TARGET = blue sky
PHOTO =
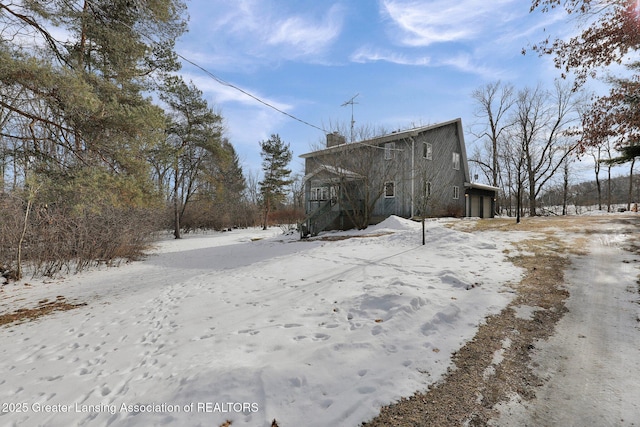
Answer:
(411, 62)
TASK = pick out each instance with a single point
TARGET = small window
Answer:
(456, 192)
(456, 161)
(389, 189)
(319, 193)
(389, 148)
(427, 189)
(333, 193)
(427, 151)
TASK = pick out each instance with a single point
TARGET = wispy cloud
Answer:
(536, 27)
(468, 64)
(265, 30)
(424, 22)
(306, 36)
(462, 61)
(370, 54)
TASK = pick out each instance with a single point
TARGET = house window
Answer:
(389, 148)
(427, 151)
(319, 193)
(456, 161)
(456, 192)
(389, 189)
(325, 193)
(427, 189)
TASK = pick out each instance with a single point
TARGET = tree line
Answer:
(102, 143)
(584, 196)
(531, 137)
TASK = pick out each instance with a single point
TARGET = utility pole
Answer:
(351, 102)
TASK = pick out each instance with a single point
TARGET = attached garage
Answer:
(480, 200)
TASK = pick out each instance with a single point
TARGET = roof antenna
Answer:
(351, 102)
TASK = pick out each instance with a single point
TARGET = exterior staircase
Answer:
(319, 219)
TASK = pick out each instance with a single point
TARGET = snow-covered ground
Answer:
(252, 325)
(249, 326)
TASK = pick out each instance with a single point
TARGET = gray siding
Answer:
(438, 171)
(408, 170)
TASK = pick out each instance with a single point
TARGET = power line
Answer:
(225, 83)
(222, 82)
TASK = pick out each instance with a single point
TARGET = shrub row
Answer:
(59, 238)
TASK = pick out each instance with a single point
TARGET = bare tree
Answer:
(424, 197)
(595, 152)
(253, 187)
(494, 100)
(609, 164)
(541, 122)
(356, 174)
(297, 191)
(360, 133)
(566, 177)
(361, 178)
(507, 177)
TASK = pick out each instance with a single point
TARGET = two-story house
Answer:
(421, 172)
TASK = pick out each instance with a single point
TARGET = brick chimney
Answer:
(334, 139)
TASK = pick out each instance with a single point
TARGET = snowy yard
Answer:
(251, 326)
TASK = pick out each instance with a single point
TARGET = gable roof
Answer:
(393, 136)
(333, 170)
(398, 136)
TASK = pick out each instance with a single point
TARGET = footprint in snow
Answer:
(292, 325)
(326, 403)
(321, 337)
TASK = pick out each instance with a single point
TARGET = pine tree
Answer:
(83, 100)
(228, 186)
(194, 133)
(276, 156)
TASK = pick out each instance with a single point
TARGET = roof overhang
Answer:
(394, 136)
(338, 174)
(485, 187)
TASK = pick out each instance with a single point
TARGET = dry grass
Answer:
(575, 224)
(43, 308)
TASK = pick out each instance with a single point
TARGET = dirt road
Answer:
(590, 367)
